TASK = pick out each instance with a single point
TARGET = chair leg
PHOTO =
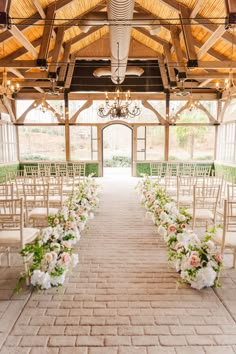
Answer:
(234, 260)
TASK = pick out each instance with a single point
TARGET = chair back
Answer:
(12, 217)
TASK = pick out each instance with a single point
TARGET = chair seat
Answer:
(202, 214)
(185, 200)
(12, 237)
(42, 212)
(230, 238)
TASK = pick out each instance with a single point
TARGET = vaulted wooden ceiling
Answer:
(44, 40)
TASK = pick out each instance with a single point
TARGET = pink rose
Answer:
(56, 221)
(194, 260)
(218, 257)
(172, 228)
(65, 258)
(69, 224)
(183, 226)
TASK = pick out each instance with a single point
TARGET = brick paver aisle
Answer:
(122, 297)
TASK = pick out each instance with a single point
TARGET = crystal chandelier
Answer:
(122, 106)
(7, 88)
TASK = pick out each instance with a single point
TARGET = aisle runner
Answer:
(122, 294)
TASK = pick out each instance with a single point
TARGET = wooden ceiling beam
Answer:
(70, 71)
(211, 41)
(170, 68)
(20, 37)
(203, 94)
(178, 51)
(16, 72)
(197, 8)
(204, 83)
(65, 61)
(27, 64)
(201, 21)
(162, 68)
(197, 43)
(47, 32)
(4, 5)
(187, 33)
(57, 50)
(39, 8)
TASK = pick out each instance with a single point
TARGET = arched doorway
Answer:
(117, 150)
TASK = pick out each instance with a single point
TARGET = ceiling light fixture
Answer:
(122, 106)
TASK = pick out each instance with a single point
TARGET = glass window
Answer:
(191, 142)
(83, 143)
(8, 147)
(42, 143)
(155, 141)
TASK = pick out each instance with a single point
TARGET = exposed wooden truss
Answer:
(55, 51)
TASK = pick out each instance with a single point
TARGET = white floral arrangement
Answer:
(53, 252)
(197, 261)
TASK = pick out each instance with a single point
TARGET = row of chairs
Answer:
(160, 170)
(210, 200)
(13, 232)
(49, 169)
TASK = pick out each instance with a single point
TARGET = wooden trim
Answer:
(39, 8)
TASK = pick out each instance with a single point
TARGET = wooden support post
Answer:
(216, 141)
(100, 152)
(167, 130)
(134, 174)
(67, 127)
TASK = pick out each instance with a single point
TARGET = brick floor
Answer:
(122, 298)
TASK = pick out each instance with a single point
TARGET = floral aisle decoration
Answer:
(197, 260)
(53, 252)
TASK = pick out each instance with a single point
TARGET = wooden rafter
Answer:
(20, 37)
(70, 71)
(211, 41)
(178, 51)
(162, 68)
(197, 8)
(173, 4)
(187, 32)
(170, 68)
(39, 8)
(86, 105)
(57, 49)
(65, 61)
(47, 31)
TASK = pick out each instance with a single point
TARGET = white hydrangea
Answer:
(41, 279)
(205, 278)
